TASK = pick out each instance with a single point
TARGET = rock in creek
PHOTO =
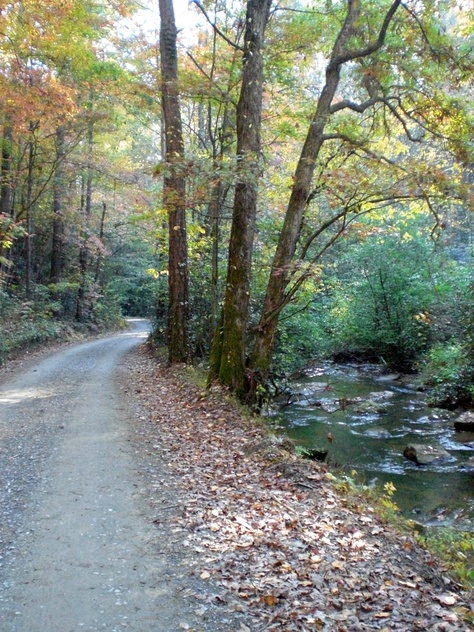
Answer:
(377, 395)
(390, 377)
(424, 454)
(371, 407)
(465, 422)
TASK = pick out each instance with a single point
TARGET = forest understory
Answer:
(275, 538)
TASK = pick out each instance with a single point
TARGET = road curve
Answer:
(74, 545)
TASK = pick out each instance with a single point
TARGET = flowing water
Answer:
(365, 421)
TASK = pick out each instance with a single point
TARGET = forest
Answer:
(269, 183)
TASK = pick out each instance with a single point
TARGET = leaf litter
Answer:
(269, 536)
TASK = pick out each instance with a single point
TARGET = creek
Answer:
(365, 419)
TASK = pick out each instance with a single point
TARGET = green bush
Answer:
(449, 375)
(107, 311)
(26, 324)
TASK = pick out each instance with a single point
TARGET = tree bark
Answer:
(281, 271)
(6, 206)
(29, 211)
(174, 190)
(6, 171)
(86, 210)
(229, 345)
(58, 221)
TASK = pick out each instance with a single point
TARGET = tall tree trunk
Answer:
(58, 220)
(29, 211)
(86, 210)
(100, 255)
(281, 271)
(214, 220)
(6, 193)
(229, 345)
(6, 171)
(174, 190)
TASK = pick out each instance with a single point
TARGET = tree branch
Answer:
(357, 107)
(216, 28)
(344, 57)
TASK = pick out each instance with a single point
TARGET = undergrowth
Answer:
(29, 324)
(454, 548)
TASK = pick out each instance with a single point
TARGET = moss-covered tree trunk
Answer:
(229, 346)
(174, 190)
(281, 271)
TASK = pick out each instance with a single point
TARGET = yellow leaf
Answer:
(338, 564)
(270, 600)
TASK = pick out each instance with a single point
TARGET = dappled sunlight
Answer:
(24, 394)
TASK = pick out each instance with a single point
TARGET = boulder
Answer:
(464, 437)
(371, 407)
(465, 422)
(378, 433)
(376, 395)
(425, 454)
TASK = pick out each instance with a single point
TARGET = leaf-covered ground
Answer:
(270, 537)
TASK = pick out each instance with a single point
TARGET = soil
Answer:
(131, 500)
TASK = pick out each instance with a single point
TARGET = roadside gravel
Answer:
(79, 548)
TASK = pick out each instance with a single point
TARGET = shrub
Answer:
(449, 375)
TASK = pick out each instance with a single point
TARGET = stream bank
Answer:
(271, 536)
(365, 420)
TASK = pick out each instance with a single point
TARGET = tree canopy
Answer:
(317, 139)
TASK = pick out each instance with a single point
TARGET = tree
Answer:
(174, 189)
(229, 346)
(301, 193)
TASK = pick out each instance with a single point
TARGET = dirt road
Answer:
(77, 550)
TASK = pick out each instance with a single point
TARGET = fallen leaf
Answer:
(446, 600)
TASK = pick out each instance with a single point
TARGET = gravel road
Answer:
(77, 550)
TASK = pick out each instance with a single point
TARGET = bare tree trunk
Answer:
(58, 221)
(174, 190)
(229, 345)
(86, 210)
(29, 211)
(100, 256)
(6, 171)
(6, 194)
(281, 271)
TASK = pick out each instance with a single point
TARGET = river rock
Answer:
(465, 422)
(376, 395)
(389, 377)
(424, 454)
(371, 407)
(378, 433)
(464, 437)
